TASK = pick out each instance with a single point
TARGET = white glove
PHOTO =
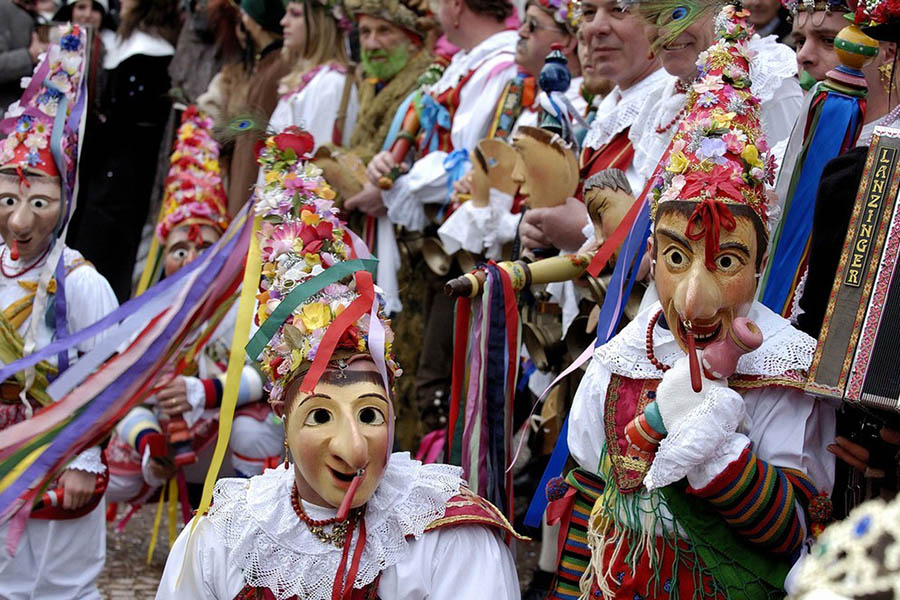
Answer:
(675, 396)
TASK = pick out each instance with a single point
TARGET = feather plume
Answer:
(244, 123)
(672, 17)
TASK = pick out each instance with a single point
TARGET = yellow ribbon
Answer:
(153, 264)
(246, 305)
(156, 522)
(17, 312)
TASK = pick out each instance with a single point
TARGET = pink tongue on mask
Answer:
(344, 510)
(14, 250)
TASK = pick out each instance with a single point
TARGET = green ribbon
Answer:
(299, 294)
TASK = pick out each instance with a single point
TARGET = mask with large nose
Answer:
(29, 212)
(340, 428)
(700, 294)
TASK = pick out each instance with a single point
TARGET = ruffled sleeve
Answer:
(89, 298)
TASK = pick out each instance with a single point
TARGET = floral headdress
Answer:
(719, 156)
(302, 241)
(30, 122)
(336, 9)
(194, 194)
(565, 12)
(810, 6)
(401, 13)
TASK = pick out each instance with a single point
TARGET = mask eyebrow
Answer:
(735, 246)
(674, 237)
(373, 395)
(323, 396)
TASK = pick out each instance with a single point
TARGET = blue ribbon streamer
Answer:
(625, 273)
(840, 115)
(431, 116)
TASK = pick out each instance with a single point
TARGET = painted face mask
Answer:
(339, 430)
(709, 203)
(383, 64)
(546, 170)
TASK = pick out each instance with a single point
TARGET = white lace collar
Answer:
(784, 348)
(463, 62)
(139, 42)
(619, 109)
(273, 549)
(770, 64)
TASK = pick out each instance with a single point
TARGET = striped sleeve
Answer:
(760, 502)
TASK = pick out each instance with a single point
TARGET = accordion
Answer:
(858, 349)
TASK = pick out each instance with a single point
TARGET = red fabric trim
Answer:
(460, 344)
(209, 390)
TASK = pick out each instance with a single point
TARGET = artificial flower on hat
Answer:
(300, 238)
(565, 12)
(194, 194)
(810, 6)
(28, 123)
(719, 156)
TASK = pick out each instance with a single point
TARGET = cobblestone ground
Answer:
(127, 575)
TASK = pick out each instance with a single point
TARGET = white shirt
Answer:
(426, 183)
(619, 110)
(252, 536)
(315, 107)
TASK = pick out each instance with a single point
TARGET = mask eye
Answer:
(317, 416)
(728, 263)
(40, 203)
(676, 259)
(178, 253)
(7, 201)
(371, 416)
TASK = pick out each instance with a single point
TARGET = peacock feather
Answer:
(241, 124)
(672, 17)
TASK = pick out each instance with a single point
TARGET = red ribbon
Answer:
(461, 343)
(560, 511)
(706, 221)
(351, 314)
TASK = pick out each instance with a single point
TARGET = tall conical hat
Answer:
(194, 194)
(719, 157)
(303, 244)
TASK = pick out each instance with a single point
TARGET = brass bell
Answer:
(435, 256)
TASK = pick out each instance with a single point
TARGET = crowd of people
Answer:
(569, 256)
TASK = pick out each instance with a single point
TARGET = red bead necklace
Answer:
(649, 346)
(298, 508)
(22, 272)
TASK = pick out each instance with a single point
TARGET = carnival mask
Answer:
(692, 294)
(546, 169)
(607, 197)
(342, 427)
(492, 161)
(29, 212)
(185, 243)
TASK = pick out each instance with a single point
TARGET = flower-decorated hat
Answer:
(811, 6)
(194, 194)
(315, 298)
(410, 15)
(41, 129)
(879, 19)
(565, 12)
(719, 156)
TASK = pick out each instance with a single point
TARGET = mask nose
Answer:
(350, 446)
(698, 296)
(21, 221)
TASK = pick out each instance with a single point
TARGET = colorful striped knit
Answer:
(759, 501)
(576, 555)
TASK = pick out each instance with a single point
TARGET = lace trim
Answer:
(257, 524)
(89, 461)
(770, 64)
(613, 118)
(784, 348)
(700, 437)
